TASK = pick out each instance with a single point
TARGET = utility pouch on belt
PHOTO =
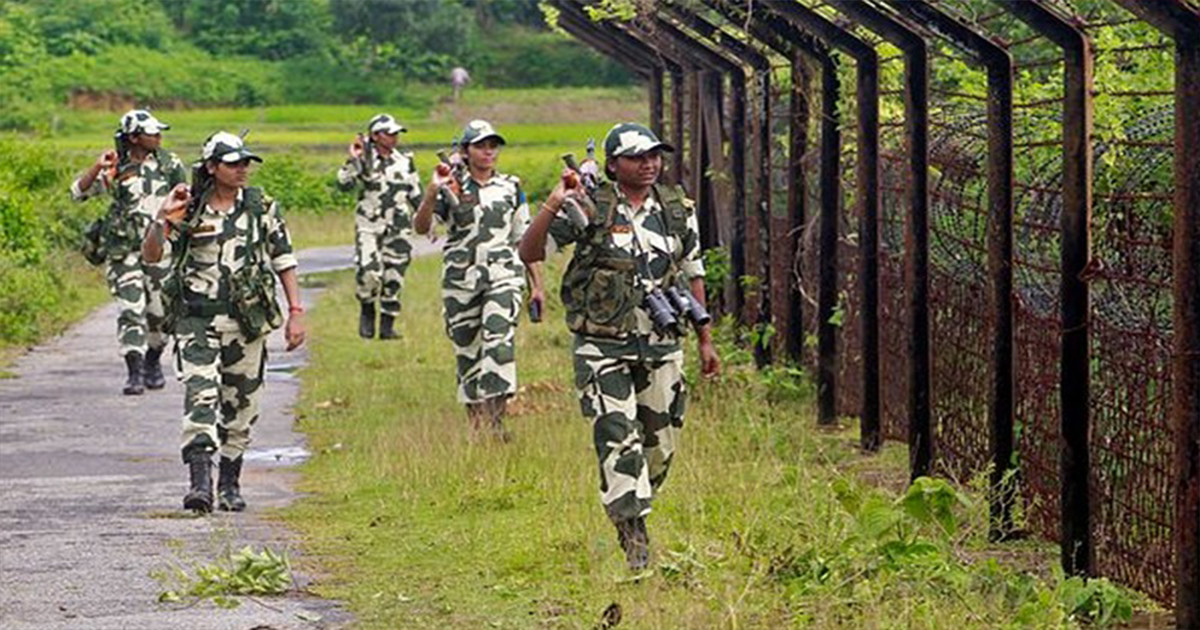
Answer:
(252, 288)
(92, 247)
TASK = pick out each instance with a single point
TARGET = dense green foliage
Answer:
(120, 53)
(41, 279)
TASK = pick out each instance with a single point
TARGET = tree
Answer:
(270, 29)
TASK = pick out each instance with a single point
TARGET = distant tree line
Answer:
(251, 52)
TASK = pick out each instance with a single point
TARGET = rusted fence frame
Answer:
(636, 49)
(999, 65)
(754, 227)
(792, 43)
(676, 171)
(607, 47)
(717, 63)
(732, 221)
(652, 73)
(916, 251)
(649, 68)
(1076, 511)
(867, 97)
(668, 35)
(684, 81)
(830, 200)
(1182, 23)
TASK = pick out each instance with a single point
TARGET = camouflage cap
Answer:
(141, 121)
(385, 123)
(226, 147)
(632, 139)
(478, 131)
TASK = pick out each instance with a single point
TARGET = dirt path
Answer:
(91, 485)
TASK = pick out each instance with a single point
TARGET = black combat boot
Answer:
(635, 542)
(199, 497)
(386, 326)
(134, 385)
(152, 373)
(366, 321)
(229, 492)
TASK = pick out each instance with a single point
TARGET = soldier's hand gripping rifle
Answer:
(366, 152)
(449, 169)
(581, 185)
(114, 159)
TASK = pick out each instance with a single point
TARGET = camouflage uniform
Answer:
(482, 280)
(631, 384)
(136, 194)
(222, 369)
(391, 189)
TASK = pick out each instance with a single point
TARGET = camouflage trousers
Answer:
(137, 286)
(482, 327)
(381, 258)
(636, 408)
(222, 374)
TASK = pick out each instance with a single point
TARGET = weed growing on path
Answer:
(244, 572)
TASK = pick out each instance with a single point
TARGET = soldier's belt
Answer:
(206, 309)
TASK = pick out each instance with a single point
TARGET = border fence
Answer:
(977, 223)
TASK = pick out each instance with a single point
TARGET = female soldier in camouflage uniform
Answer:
(382, 221)
(485, 214)
(138, 177)
(228, 243)
(639, 239)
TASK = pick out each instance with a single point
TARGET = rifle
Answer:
(121, 143)
(449, 167)
(579, 210)
(367, 158)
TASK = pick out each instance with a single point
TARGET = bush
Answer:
(521, 57)
(183, 76)
(41, 278)
(298, 189)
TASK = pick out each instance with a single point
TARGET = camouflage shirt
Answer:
(137, 194)
(644, 234)
(483, 232)
(391, 189)
(217, 249)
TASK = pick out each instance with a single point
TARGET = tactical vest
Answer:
(600, 289)
(251, 301)
(122, 228)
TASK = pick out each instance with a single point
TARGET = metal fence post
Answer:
(1075, 227)
(916, 117)
(999, 67)
(867, 99)
(1182, 22)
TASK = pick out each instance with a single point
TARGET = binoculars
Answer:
(667, 307)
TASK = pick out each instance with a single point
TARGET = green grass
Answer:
(414, 525)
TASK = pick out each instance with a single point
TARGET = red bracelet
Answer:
(295, 309)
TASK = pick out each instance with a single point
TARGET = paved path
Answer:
(91, 485)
